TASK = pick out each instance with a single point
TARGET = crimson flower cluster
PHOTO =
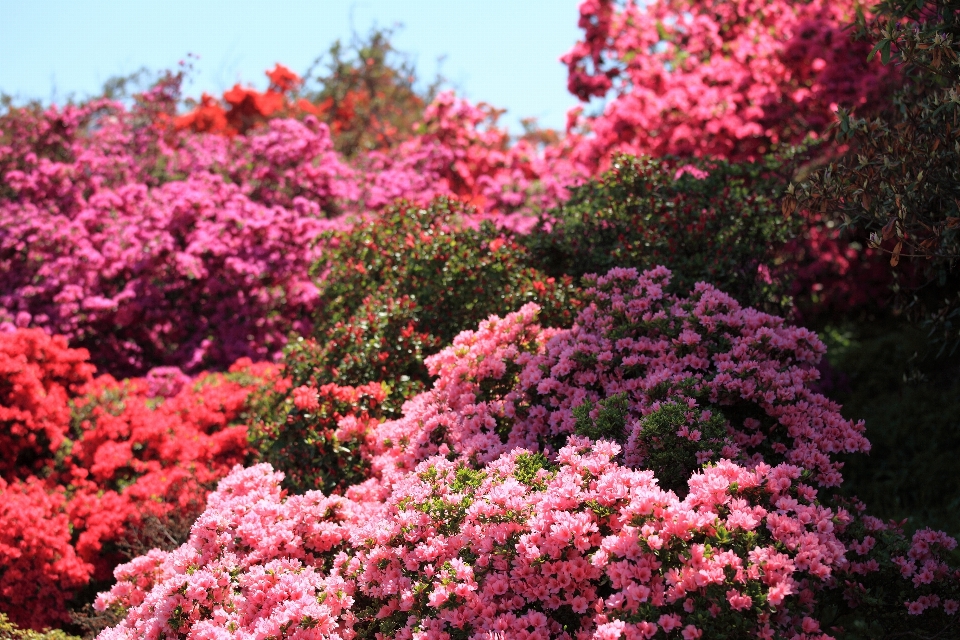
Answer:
(88, 461)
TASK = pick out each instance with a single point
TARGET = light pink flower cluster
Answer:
(489, 513)
(588, 548)
(512, 384)
(520, 548)
(254, 564)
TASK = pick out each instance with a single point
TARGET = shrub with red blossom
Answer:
(247, 107)
(38, 377)
(524, 496)
(41, 567)
(90, 460)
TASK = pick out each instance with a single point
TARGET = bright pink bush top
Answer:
(512, 384)
(727, 79)
(155, 246)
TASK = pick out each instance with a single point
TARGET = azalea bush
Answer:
(522, 496)
(91, 462)
(735, 80)
(151, 271)
(152, 241)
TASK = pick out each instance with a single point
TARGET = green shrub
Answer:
(10, 631)
(706, 220)
(897, 184)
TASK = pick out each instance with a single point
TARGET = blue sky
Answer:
(504, 52)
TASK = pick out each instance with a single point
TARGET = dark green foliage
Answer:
(671, 439)
(900, 181)
(610, 422)
(396, 289)
(724, 228)
(379, 340)
(911, 404)
(455, 275)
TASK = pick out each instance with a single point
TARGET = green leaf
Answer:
(877, 48)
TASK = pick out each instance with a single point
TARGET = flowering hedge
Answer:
(523, 495)
(157, 246)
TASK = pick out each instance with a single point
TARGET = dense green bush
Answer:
(455, 273)
(707, 220)
(10, 631)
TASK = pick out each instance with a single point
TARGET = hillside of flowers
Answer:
(345, 358)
